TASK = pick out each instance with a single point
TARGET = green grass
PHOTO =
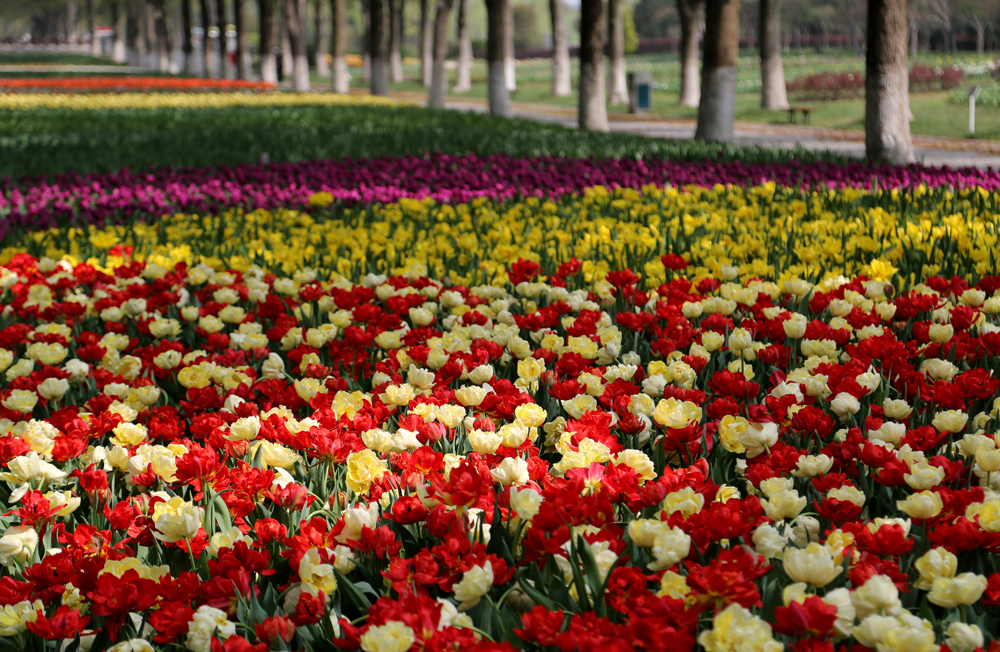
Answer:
(48, 142)
(934, 114)
(54, 58)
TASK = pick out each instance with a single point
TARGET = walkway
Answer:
(952, 152)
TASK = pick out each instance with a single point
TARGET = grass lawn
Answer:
(933, 113)
(52, 141)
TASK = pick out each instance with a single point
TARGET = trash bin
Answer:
(640, 96)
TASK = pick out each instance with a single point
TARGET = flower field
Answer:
(127, 84)
(497, 402)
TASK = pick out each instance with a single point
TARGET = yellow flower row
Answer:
(725, 232)
(101, 101)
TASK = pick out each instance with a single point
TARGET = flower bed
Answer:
(595, 418)
(95, 199)
(128, 84)
(851, 85)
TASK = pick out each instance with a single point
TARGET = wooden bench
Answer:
(804, 110)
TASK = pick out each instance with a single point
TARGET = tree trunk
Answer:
(717, 108)
(980, 37)
(95, 43)
(118, 54)
(149, 29)
(426, 46)
(187, 47)
(509, 62)
(377, 50)
(162, 36)
(772, 92)
(616, 33)
(268, 62)
(322, 47)
(287, 60)
(688, 11)
(914, 29)
(72, 16)
(133, 33)
(206, 43)
(495, 45)
(887, 106)
(220, 20)
(439, 76)
(560, 50)
(294, 15)
(396, 40)
(464, 77)
(340, 80)
(242, 44)
(593, 112)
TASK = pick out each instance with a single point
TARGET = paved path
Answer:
(953, 152)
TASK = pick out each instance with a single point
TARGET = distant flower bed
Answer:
(851, 85)
(119, 84)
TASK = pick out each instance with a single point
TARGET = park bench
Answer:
(804, 110)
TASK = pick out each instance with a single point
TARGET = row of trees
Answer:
(713, 91)
(941, 25)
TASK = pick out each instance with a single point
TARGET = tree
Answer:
(496, 39)
(95, 43)
(593, 112)
(509, 63)
(689, 11)
(887, 104)
(426, 47)
(560, 50)
(772, 74)
(377, 50)
(294, 14)
(133, 33)
(220, 21)
(118, 50)
(717, 106)
(319, 13)
(980, 15)
(206, 44)
(339, 77)
(186, 46)
(268, 39)
(163, 44)
(396, 40)
(242, 45)
(942, 11)
(463, 81)
(439, 76)
(616, 32)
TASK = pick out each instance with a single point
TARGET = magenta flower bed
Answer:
(99, 198)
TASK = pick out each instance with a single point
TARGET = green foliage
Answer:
(49, 142)
(527, 27)
(631, 36)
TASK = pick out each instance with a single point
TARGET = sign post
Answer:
(973, 94)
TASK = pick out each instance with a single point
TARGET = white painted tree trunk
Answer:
(593, 112)
(509, 62)
(690, 91)
(322, 46)
(717, 108)
(773, 94)
(463, 80)
(616, 31)
(887, 102)
(560, 50)
(426, 43)
(340, 78)
(496, 84)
